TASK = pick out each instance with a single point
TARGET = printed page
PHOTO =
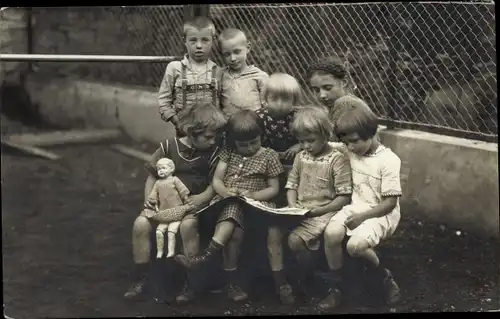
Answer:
(278, 211)
(259, 206)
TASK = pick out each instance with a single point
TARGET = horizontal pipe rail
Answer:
(85, 58)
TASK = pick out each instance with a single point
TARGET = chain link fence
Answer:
(427, 65)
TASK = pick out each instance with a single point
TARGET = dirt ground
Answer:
(66, 228)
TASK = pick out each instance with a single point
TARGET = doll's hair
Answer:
(198, 23)
(283, 85)
(355, 117)
(203, 117)
(244, 125)
(165, 161)
(312, 119)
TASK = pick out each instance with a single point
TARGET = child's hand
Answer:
(292, 151)
(354, 221)
(231, 192)
(314, 212)
(149, 204)
(295, 205)
(195, 201)
(247, 194)
(148, 213)
(190, 206)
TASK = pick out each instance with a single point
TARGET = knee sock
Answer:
(231, 276)
(377, 270)
(141, 271)
(335, 277)
(305, 263)
(214, 246)
(279, 278)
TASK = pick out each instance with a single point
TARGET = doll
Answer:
(167, 204)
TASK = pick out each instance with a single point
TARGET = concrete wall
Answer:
(77, 103)
(445, 179)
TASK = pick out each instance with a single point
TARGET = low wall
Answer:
(445, 179)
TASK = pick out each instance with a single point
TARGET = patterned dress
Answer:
(277, 134)
(247, 173)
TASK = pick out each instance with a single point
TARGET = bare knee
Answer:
(356, 246)
(296, 243)
(189, 229)
(334, 234)
(142, 227)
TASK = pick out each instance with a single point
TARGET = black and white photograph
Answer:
(249, 159)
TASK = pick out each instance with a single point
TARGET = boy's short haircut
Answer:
(242, 126)
(201, 118)
(231, 33)
(198, 23)
(284, 85)
(356, 117)
(332, 65)
(312, 119)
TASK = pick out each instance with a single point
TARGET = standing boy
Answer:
(241, 84)
(192, 80)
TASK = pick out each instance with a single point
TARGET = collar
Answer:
(185, 150)
(251, 69)
(185, 61)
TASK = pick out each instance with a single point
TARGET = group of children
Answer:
(243, 132)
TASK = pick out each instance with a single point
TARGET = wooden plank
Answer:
(64, 137)
(31, 150)
(140, 155)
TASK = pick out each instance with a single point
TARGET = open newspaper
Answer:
(259, 206)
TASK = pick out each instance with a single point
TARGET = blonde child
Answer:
(282, 95)
(320, 180)
(241, 85)
(192, 80)
(168, 198)
(245, 168)
(374, 212)
(195, 157)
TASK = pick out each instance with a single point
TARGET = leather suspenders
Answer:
(212, 86)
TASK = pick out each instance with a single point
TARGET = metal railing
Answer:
(83, 58)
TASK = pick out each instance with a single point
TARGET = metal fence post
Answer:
(393, 52)
(195, 10)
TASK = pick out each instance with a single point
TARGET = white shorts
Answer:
(373, 230)
(171, 227)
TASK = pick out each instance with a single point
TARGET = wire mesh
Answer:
(431, 64)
